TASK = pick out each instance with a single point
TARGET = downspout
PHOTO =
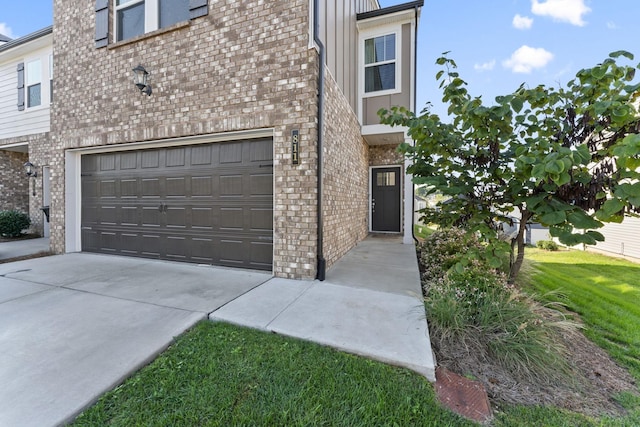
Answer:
(415, 105)
(322, 263)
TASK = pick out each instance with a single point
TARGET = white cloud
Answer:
(5, 30)
(570, 11)
(526, 58)
(487, 66)
(522, 22)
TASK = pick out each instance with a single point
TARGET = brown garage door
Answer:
(208, 203)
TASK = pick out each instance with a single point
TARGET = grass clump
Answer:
(477, 310)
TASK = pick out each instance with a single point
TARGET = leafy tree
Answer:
(568, 158)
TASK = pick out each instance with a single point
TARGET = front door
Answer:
(385, 199)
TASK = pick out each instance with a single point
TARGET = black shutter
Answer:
(102, 23)
(198, 8)
(21, 86)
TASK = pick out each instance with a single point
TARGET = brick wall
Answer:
(14, 186)
(244, 66)
(16, 190)
(346, 175)
(381, 155)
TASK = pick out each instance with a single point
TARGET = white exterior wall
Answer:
(621, 239)
(33, 120)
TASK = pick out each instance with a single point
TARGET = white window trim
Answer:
(378, 32)
(44, 81)
(151, 15)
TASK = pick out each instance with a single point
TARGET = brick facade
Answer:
(229, 71)
(17, 190)
(14, 186)
(346, 176)
(382, 155)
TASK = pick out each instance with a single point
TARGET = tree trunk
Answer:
(519, 243)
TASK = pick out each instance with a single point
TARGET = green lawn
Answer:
(422, 231)
(604, 291)
(218, 374)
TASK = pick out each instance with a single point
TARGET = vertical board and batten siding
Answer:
(14, 122)
(342, 43)
(621, 239)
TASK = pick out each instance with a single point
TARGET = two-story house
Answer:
(251, 139)
(26, 76)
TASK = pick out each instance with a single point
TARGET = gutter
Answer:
(26, 39)
(416, 9)
(322, 263)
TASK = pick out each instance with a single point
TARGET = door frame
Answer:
(401, 177)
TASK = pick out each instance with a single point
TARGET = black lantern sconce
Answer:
(140, 79)
(32, 172)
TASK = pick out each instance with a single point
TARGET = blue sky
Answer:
(497, 44)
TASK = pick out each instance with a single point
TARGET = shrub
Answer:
(12, 223)
(547, 245)
(477, 309)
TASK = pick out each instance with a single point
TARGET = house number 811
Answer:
(295, 145)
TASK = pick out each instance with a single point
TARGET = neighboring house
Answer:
(222, 163)
(621, 239)
(26, 73)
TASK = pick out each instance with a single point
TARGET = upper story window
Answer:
(380, 63)
(34, 83)
(135, 17)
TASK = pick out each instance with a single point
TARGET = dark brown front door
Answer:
(207, 203)
(385, 199)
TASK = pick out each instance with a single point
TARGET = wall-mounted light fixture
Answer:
(140, 79)
(32, 172)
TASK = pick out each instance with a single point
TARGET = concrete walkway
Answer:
(23, 247)
(76, 325)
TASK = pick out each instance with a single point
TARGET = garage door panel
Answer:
(262, 219)
(175, 157)
(231, 152)
(201, 155)
(202, 218)
(261, 184)
(151, 187)
(231, 185)
(177, 217)
(129, 188)
(108, 215)
(130, 244)
(108, 162)
(209, 203)
(150, 159)
(128, 160)
(151, 216)
(202, 186)
(108, 242)
(177, 187)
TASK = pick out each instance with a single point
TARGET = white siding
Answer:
(31, 120)
(622, 239)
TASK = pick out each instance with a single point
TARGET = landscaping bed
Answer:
(584, 378)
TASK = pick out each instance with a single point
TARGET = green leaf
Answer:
(579, 219)
(554, 167)
(553, 218)
(619, 53)
(517, 104)
(599, 72)
(613, 206)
